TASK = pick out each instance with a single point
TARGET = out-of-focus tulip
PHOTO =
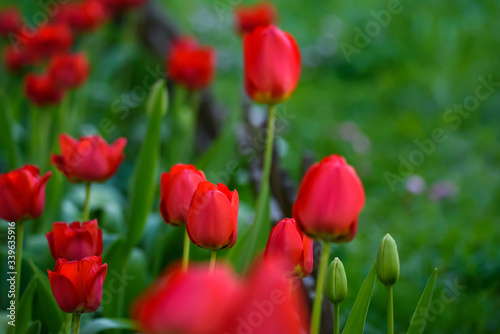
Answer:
(10, 21)
(77, 285)
(89, 159)
(69, 71)
(248, 18)
(272, 64)
(17, 58)
(22, 193)
(193, 302)
(212, 220)
(74, 242)
(286, 239)
(122, 5)
(51, 39)
(269, 304)
(329, 201)
(191, 65)
(83, 16)
(177, 189)
(41, 90)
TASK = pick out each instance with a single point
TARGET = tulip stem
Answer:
(213, 256)
(185, 253)
(390, 311)
(336, 314)
(76, 322)
(19, 260)
(67, 323)
(86, 205)
(320, 283)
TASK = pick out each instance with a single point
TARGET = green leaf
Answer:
(144, 182)
(102, 324)
(116, 257)
(417, 324)
(51, 314)
(34, 328)
(356, 321)
(136, 270)
(6, 126)
(26, 306)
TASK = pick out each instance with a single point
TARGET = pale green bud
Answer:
(336, 282)
(388, 261)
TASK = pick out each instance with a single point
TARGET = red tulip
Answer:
(10, 21)
(121, 5)
(83, 16)
(74, 242)
(41, 90)
(22, 193)
(77, 285)
(212, 220)
(177, 189)
(89, 159)
(69, 71)
(287, 240)
(190, 64)
(272, 65)
(193, 302)
(248, 18)
(51, 39)
(329, 201)
(17, 58)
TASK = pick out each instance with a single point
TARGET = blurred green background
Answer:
(370, 108)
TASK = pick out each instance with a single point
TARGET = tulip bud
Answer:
(336, 282)
(388, 261)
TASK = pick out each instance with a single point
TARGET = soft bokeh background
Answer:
(370, 109)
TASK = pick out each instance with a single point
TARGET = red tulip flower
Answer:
(69, 71)
(41, 90)
(51, 39)
(272, 65)
(190, 64)
(83, 16)
(22, 193)
(121, 5)
(287, 240)
(77, 285)
(17, 58)
(10, 21)
(89, 159)
(177, 189)
(212, 220)
(192, 302)
(74, 242)
(247, 19)
(329, 201)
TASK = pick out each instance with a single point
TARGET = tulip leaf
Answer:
(113, 288)
(51, 314)
(417, 324)
(144, 181)
(26, 306)
(34, 328)
(135, 270)
(356, 322)
(102, 324)
(6, 126)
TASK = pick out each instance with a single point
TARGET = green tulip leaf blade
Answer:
(417, 324)
(26, 306)
(103, 324)
(34, 328)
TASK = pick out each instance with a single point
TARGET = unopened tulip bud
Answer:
(336, 282)
(388, 261)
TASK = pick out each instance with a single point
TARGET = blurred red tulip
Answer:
(272, 65)
(329, 201)
(41, 90)
(74, 242)
(212, 220)
(17, 58)
(10, 21)
(177, 189)
(89, 159)
(248, 18)
(193, 302)
(69, 71)
(287, 240)
(77, 285)
(82, 16)
(22, 193)
(121, 5)
(190, 64)
(51, 39)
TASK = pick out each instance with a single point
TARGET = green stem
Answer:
(268, 154)
(185, 253)
(320, 283)
(86, 205)
(67, 323)
(213, 257)
(44, 139)
(336, 314)
(390, 311)
(76, 322)
(19, 260)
